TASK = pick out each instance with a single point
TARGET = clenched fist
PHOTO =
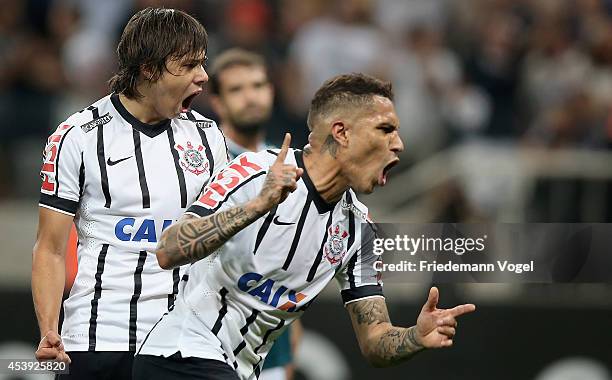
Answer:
(52, 348)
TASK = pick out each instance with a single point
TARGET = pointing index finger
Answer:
(462, 309)
(284, 149)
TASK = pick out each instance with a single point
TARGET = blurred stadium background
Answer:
(506, 114)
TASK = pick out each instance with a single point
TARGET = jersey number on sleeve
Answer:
(49, 159)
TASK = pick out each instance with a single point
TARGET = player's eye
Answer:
(259, 85)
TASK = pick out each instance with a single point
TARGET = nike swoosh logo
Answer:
(110, 162)
(279, 223)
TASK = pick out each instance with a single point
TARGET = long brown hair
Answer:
(150, 38)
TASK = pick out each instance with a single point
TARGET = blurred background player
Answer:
(242, 96)
(122, 169)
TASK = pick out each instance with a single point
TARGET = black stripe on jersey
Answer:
(57, 159)
(59, 203)
(298, 232)
(209, 156)
(351, 220)
(144, 188)
(272, 152)
(222, 312)
(134, 301)
(149, 333)
(243, 332)
(351, 268)
(322, 205)
(256, 366)
(97, 294)
(257, 369)
(175, 283)
(179, 171)
(94, 112)
(268, 333)
(102, 164)
(81, 176)
(319, 257)
(203, 211)
(361, 292)
(200, 211)
(264, 228)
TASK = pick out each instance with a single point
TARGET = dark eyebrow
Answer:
(196, 60)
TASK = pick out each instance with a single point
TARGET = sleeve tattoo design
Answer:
(194, 239)
(395, 344)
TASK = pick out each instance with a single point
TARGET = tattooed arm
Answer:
(192, 239)
(385, 345)
(380, 342)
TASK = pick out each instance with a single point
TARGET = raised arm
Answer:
(383, 344)
(192, 239)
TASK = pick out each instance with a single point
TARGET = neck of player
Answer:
(142, 109)
(325, 174)
(250, 142)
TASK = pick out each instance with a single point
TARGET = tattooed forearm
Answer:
(194, 239)
(396, 345)
(369, 311)
(382, 343)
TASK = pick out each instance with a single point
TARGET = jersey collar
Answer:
(322, 205)
(150, 130)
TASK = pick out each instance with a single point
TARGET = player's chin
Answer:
(367, 188)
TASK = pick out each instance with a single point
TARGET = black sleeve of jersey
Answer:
(55, 202)
(366, 274)
(349, 295)
(199, 211)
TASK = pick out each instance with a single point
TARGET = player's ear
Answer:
(146, 73)
(339, 132)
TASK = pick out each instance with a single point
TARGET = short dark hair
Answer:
(150, 38)
(355, 89)
(230, 58)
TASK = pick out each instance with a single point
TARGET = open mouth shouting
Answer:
(382, 178)
(186, 103)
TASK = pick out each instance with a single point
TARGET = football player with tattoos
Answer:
(271, 230)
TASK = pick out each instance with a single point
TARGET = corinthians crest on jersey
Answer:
(335, 247)
(192, 158)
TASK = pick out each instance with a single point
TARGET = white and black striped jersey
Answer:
(238, 300)
(124, 182)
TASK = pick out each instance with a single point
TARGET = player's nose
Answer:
(201, 76)
(397, 145)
